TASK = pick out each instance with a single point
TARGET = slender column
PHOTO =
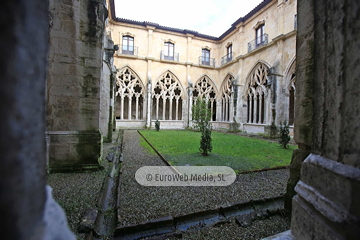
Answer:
(170, 109)
(226, 110)
(260, 109)
(251, 110)
(218, 110)
(177, 109)
(222, 110)
(130, 103)
(211, 106)
(255, 109)
(157, 107)
(231, 108)
(137, 108)
(122, 108)
(149, 103)
(164, 107)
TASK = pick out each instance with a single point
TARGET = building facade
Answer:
(247, 74)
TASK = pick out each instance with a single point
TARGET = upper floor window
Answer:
(260, 34)
(169, 51)
(205, 57)
(128, 45)
(229, 52)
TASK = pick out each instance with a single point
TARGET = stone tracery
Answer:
(257, 94)
(130, 95)
(226, 98)
(167, 98)
(204, 87)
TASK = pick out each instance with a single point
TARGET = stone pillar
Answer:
(190, 97)
(106, 89)
(149, 104)
(188, 112)
(280, 17)
(24, 200)
(327, 120)
(149, 46)
(75, 62)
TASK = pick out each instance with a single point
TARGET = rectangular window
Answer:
(169, 51)
(260, 37)
(128, 45)
(205, 57)
(229, 53)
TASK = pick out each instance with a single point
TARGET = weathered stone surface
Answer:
(73, 84)
(88, 220)
(306, 223)
(297, 159)
(327, 121)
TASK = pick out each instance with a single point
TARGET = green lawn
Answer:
(240, 153)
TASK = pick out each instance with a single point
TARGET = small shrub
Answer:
(284, 137)
(157, 125)
(202, 117)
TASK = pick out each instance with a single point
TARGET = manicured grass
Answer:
(240, 153)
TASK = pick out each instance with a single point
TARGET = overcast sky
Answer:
(211, 17)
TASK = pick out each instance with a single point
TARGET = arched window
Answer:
(256, 95)
(205, 88)
(167, 98)
(225, 98)
(129, 95)
(292, 99)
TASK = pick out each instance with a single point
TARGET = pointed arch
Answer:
(257, 93)
(226, 97)
(168, 95)
(290, 74)
(205, 87)
(129, 95)
(290, 80)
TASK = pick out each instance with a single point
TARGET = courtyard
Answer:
(137, 204)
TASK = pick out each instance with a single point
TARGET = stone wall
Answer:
(327, 121)
(73, 83)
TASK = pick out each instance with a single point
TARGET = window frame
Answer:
(205, 56)
(127, 48)
(229, 53)
(259, 35)
(169, 51)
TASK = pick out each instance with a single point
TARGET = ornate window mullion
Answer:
(164, 108)
(177, 109)
(170, 108)
(130, 104)
(137, 107)
(122, 108)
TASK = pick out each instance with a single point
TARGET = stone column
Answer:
(75, 63)
(218, 109)
(149, 46)
(280, 16)
(149, 104)
(188, 112)
(24, 200)
(327, 121)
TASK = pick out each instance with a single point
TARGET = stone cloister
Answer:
(52, 81)
(247, 86)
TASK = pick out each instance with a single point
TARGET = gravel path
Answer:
(78, 192)
(257, 230)
(139, 203)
